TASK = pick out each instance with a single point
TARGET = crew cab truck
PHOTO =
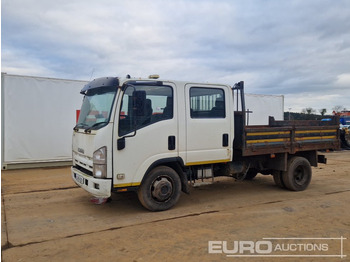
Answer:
(156, 137)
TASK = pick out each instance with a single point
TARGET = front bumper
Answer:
(96, 187)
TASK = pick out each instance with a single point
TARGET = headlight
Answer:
(100, 161)
(100, 156)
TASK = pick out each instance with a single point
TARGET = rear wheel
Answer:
(277, 177)
(298, 174)
(160, 190)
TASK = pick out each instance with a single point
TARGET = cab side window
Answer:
(144, 105)
(207, 102)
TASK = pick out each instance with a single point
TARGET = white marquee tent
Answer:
(38, 116)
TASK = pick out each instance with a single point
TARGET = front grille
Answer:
(84, 170)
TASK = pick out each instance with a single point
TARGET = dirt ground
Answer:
(45, 217)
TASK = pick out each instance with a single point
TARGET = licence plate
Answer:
(79, 179)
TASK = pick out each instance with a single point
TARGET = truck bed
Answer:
(289, 137)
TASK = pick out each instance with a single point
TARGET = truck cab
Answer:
(131, 131)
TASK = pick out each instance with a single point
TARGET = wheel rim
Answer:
(162, 188)
(300, 176)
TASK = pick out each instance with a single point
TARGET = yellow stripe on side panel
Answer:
(268, 140)
(315, 131)
(315, 138)
(127, 184)
(268, 133)
(207, 162)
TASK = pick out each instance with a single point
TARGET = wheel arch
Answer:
(177, 164)
(310, 156)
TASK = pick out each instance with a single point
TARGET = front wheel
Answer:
(298, 174)
(160, 190)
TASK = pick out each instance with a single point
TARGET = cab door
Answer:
(208, 124)
(145, 131)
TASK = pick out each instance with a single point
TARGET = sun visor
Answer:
(98, 82)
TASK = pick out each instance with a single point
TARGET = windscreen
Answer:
(96, 109)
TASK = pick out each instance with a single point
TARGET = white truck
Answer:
(155, 137)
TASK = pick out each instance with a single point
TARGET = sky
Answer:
(299, 49)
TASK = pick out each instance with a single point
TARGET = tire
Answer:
(277, 177)
(161, 189)
(298, 174)
(251, 174)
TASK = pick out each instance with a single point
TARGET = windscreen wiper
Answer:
(87, 130)
(80, 125)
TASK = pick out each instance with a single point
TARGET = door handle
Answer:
(171, 143)
(225, 140)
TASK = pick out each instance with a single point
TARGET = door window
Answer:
(207, 102)
(144, 105)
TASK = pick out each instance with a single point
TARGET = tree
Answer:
(338, 108)
(308, 110)
(323, 111)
